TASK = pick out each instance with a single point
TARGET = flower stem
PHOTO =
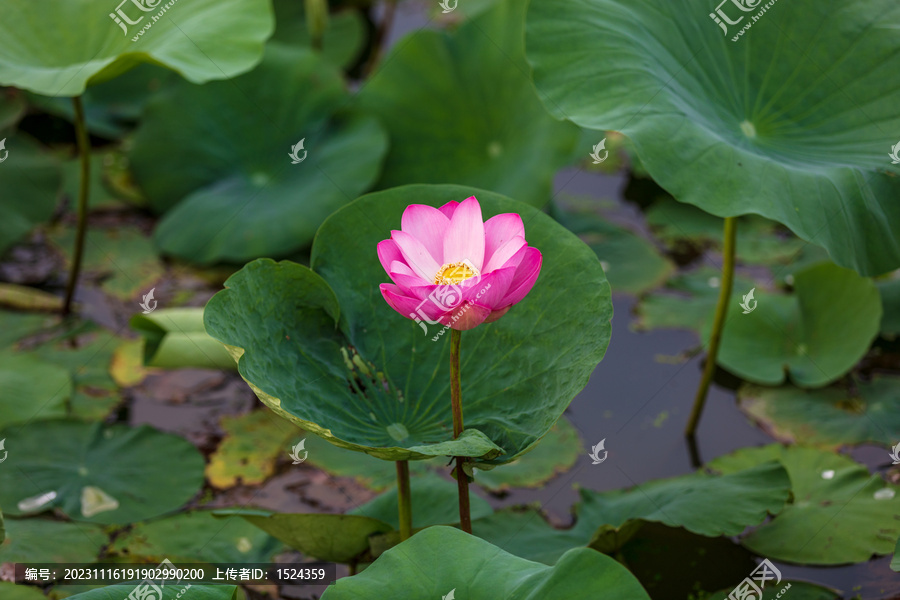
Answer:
(465, 513)
(404, 500)
(718, 325)
(84, 152)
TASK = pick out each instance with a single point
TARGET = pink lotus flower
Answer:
(450, 267)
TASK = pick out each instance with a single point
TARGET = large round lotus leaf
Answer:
(814, 336)
(701, 503)
(31, 389)
(197, 536)
(61, 46)
(46, 541)
(460, 108)
(794, 121)
(30, 181)
(322, 348)
(229, 185)
(170, 592)
(840, 512)
(114, 474)
(435, 501)
(832, 416)
(442, 562)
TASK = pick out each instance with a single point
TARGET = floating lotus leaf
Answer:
(46, 541)
(194, 537)
(70, 44)
(791, 123)
(831, 416)
(840, 512)
(701, 503)
(442, 562)
(335, 538)
(175, 338)
(814, 336)
(114, 474)
(170, 592)
(231, 188)
(321, 348)
(460, 108)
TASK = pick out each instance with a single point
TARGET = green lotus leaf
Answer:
(701, 503)
(370, 381)
(70, 44)
(895, 560)
(12, 107)
(460, 108)
(815, 335)
(840, 512)
(252, 444)
(832, 416)
(445, 562)
(31, 389)
(194, 537)
(114, 474)
(435, 501)
(335, 538)
(175, 338)
(230, 188)
(170, 592)
(46, 541)
(751, 126)
(30, 180)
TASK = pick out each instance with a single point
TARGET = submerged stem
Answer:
(718, 325)
(404, 499)
(465, 513)
(84, 152)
